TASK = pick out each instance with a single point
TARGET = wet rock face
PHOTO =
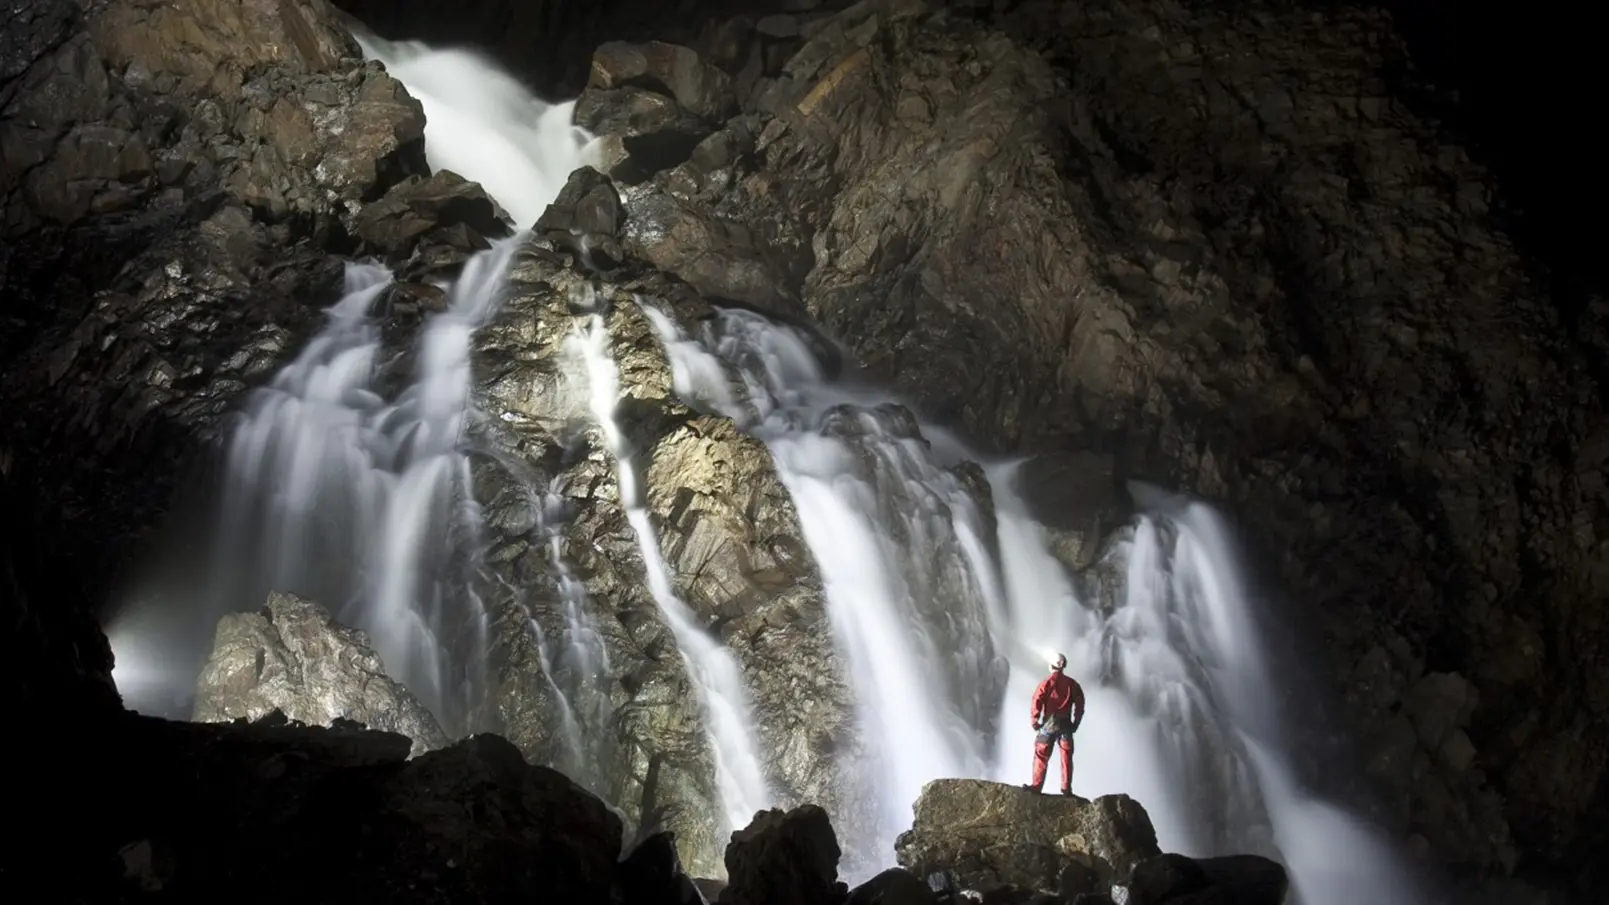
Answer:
(988, 836)
(1208, 241)
(590, 674)
(176, 177)
(293, 657)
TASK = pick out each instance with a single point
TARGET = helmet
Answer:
(1058, 662)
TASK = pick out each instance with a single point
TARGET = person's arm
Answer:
(1078, 704)
(1039, 701)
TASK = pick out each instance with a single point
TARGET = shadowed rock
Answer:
(895, 886)
(1237, 879)
(784, 859)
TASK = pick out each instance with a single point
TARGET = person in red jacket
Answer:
(1058, 709)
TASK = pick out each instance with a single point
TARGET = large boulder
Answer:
(784, 858)
(990, 836)
(292, 656)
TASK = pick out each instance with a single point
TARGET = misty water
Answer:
(946, 618)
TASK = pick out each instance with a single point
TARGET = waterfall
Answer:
(943, 594)
(365, 505)
(575, 663)
(1180, 701)
(711, 667)
(1334, 857)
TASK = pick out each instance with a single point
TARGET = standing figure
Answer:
(1058, 709)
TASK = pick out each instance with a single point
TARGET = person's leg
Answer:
(1041, 762)
(1066, 742)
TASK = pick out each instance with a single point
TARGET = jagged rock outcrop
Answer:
(724, 524)
(292, 656)
(784, 858)
(989, 836)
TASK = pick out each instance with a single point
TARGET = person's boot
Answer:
(1031, 787)
(1067, 792)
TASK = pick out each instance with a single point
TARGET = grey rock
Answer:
(726, 529)
(293, 657)
(416, 207)
(717, 257)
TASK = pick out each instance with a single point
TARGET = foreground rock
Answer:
(279, 812)
(992, 837)
(292, 656)
(784, 859)
(1237, 879)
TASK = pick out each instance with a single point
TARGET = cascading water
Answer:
(1334, 857)
(711, 667)
(482, 124)
(879, 514)
(576, 663)
(1179, 712)
(363, 505)
(367, 505)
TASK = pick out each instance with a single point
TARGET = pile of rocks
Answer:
(274, 810)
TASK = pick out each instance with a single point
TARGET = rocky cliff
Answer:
(1210, 245)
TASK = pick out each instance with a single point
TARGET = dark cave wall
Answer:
(1386, 392)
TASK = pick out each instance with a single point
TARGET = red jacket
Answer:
(1058, 694)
